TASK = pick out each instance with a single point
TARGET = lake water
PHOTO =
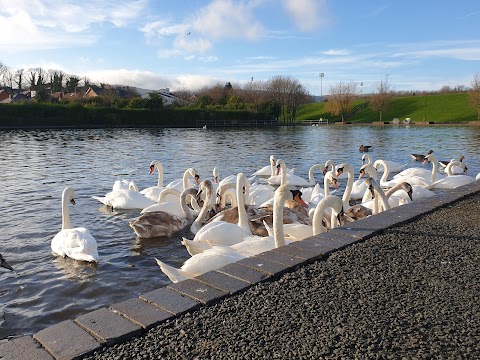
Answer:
(36, 165)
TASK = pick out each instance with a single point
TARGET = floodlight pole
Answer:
(321, 86)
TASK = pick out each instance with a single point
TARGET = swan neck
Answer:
(66, 224)
(278, 232)
(434, 169)
(160, 175)
(386, 171)
(242, 213)
(311, 178)
(283, 178)
(318, 217)
(183, 204)
(348, 189)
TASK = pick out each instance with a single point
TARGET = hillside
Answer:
(441, 108)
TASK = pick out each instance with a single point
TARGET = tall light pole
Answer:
(321, 86)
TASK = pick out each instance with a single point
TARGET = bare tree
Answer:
(474, 95)
(289, 93)
(56, 79)
(8, 78)
(19, 78)
(341, 99)
(381, 100)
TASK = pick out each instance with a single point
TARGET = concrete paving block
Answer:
(24, 348)
(108, 327)
(141, 312)
(244, 273)
(223, 282)
(67, 340)
(332, 241)
(298, 252)
(318, 246)
(170, 300)
(199, 291)
(280, 257)
(356, 230)
(264, 265)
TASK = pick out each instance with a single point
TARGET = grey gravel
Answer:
(409, 293)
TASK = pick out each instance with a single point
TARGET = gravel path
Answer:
(410, 293)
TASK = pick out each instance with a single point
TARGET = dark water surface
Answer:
(36, 165)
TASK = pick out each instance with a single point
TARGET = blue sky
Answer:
(187, 44)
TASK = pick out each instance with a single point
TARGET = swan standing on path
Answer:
(5, 264)
(218, 256)
(76, 243)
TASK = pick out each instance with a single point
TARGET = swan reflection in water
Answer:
(79, 271)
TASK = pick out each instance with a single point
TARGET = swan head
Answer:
(429, 158)
(297, 196)
(279, 165)
(273, 159)
(216, 175)
(70, 193)
(155, 164)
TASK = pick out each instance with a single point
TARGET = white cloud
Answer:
(47, 24)
(336, 52)
(226, 19)
(307, 15)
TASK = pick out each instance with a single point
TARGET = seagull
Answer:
(189, 33)
(3, 263)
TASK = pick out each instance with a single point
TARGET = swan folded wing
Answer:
(76, 243)
(223, 233)
(157, 223)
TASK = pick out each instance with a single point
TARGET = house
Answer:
(4, 95)
(167, 96)
(124, 92)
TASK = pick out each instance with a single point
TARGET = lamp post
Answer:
(321, 86)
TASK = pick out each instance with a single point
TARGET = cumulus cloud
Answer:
(227, 19)
(40, 24)
(307, 15)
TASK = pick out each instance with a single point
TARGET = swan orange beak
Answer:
(361, 173)
(425, 162)
(197, 179)
(278, 170)
(339, 172)
(335, 183)
(297, 196)
(152, 168)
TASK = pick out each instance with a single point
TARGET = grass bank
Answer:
(441, 108)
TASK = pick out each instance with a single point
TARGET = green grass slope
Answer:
(442, 108)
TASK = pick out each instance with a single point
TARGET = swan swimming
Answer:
(76, 243)
(125, 199)
(153, 192)
(218, 256)
(162, 223)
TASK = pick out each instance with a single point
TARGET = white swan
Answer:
(452, 181)
(379, 201)
(185, 182)
(332, 219)
(477, 177)
(267, 170)
(174, 204)
(153, 192)
(411, 179)
(393, 166)
(125, 199)
(224, 233)
(218, 256)
(76, 243)
(162, 223)
(286, 177)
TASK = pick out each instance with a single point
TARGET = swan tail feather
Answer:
(194, 247)
(174, 274)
